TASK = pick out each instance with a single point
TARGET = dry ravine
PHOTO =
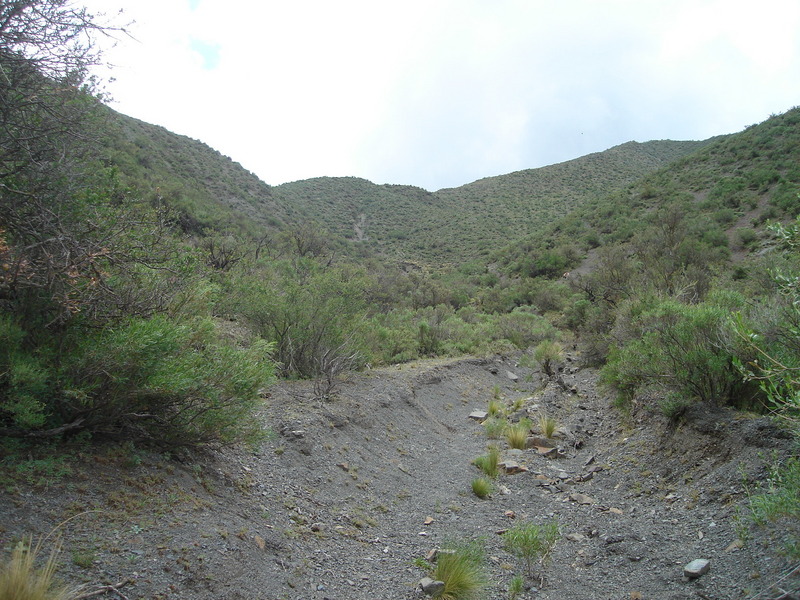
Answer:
(350, 494)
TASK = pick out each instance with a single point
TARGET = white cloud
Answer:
(442, 92)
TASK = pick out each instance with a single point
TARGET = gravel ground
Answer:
(350, 493)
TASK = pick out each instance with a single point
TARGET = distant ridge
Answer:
(452, 225)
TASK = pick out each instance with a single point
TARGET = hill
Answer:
(399, 221)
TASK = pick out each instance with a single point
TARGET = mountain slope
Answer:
(402, 222)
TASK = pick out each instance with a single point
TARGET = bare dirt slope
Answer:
(335, 505)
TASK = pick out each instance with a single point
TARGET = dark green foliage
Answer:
(168, 382)
(156, 380)
(683, 348)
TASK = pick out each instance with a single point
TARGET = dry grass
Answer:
(21, 579)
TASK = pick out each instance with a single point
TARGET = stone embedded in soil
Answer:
(478, 415)
(512, 466)
(430, 586)
(512, 376)
(581, 498)
(539, 442)
(696, 568)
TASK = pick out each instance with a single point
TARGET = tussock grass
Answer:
(517, 436)
(547, 425)
(463, 571)
(21, 579)
(488, 462)
(482, 487)
(494, 427)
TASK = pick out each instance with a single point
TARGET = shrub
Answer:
(165, 381)
(482, 487)
(682, 348)
(532, 543)
(547, 354)
(462, 568)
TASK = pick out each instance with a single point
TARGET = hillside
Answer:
(402, 222)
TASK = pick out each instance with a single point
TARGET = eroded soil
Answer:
(335, 504)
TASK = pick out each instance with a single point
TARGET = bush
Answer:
(682, 348)
(168, 382)
(547, 354)
(532, 543)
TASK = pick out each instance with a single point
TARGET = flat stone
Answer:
(539, 442)
(512, 376)
(512, 466)
(581, 498)
(478, 415)
(697, 568)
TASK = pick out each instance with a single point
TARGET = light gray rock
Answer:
(478, 415)
(512, 376)
(430, 586)
(696, 568)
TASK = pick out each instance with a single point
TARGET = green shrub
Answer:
(682, 348)
(532, 543)
(779, 503)
(547, 354)
(169, 382)
(24, 380)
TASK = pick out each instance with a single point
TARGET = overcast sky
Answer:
(439, 93)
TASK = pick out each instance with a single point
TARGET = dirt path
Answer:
(335, 506)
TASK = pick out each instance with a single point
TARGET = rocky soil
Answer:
(349, 493)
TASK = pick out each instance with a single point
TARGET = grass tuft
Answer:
(20, 579)
(488, 462)
(482, 487)
(517, 436)
(462, 569)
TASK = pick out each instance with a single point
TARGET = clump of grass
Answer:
(517, 436)
(496, 408)
(516, 587)
(494, 427)
(532, 543)
(488, 462)
(20, 579)
(462, 568)
(547, 425)
(779, 502)
(482, 487)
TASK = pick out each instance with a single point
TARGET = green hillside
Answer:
(398, 221)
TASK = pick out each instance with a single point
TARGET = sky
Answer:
(440, 93)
